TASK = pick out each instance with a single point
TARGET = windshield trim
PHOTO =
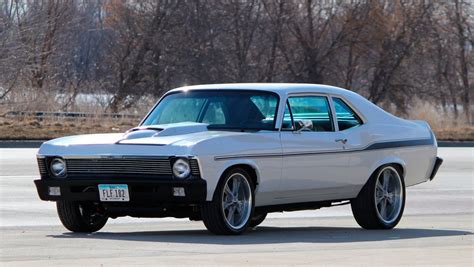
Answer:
(277, 107)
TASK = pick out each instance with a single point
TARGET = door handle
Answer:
(342, 140)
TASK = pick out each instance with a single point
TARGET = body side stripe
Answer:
(374, 146)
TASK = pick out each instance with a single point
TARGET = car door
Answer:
(315, 166)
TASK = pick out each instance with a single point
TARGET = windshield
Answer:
(224, 109)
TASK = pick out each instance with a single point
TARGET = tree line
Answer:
(390, 51)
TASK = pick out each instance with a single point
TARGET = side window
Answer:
(346, 117)
(214, 114)
(310, 108)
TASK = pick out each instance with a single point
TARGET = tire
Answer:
(257, 219)
(230, 211)
(80, 217)
(381, 201)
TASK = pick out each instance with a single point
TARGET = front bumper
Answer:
(141, 191)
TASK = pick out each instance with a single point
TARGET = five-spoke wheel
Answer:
(232, 205)
(388, 195)
(237, 200)
(381, 201)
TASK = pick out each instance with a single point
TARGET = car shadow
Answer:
(267, 235)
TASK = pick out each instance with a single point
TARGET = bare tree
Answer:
(245, 18)
(276, 19)
(390, 51)
(136, 43)
(464, 39)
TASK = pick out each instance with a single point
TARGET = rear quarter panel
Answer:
(416, 161)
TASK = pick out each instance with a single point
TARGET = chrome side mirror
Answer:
(304, 125)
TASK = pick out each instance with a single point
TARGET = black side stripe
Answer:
(404, 143)
(395, 144)
(374, 146)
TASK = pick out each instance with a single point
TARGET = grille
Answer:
(42, 166)
(194, 167)
(140, 166)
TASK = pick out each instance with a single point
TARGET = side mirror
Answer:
(304, 125)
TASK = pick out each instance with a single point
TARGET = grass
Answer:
(457, 133)
(445, 124)
(33, 129)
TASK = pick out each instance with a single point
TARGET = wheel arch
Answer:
(396, 161)
(249, 166)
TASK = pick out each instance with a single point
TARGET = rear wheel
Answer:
(232, 206)
(81, 217)
(381, 202)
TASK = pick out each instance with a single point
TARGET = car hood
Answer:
(168, 139)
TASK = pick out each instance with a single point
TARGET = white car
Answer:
(228, 154)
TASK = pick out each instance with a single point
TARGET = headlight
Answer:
(181, 168)
(58, 167)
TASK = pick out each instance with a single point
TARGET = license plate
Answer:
(113, 192)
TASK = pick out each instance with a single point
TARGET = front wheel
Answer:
(231, 209)
(81, 217)
(381, 202)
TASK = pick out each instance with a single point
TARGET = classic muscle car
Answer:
(228, 154)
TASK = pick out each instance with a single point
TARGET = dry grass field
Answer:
(455, 133)
(33, 129)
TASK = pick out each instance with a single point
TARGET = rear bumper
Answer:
(436, 166)
(143, 191)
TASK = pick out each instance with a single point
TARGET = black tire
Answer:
(213, 213)
(257, 219)
(365, 208)
(80, 217)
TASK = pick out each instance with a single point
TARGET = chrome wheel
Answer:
(237, 201)
(388, 195)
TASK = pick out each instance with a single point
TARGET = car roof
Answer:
(280, 88)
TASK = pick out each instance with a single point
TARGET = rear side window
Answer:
(313, 108)
(346, 117)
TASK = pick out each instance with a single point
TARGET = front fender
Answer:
(222, 167)
(230, 163)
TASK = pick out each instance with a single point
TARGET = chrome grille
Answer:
(138, 165)
(42, 166)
